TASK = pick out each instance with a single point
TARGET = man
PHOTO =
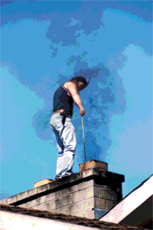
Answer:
(61, 124)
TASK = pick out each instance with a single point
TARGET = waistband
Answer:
(64, 114)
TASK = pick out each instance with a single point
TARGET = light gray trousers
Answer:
(66, 144)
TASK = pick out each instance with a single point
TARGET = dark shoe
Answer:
(58, 178)
(63, 177)
(66, 176)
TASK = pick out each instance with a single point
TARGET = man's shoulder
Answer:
(68, 84)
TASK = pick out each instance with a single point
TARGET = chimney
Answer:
(90, 193)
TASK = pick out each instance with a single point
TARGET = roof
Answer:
(131, 209)
(66, 218)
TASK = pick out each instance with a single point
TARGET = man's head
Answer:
(80, 82)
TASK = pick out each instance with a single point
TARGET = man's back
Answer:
(65, 95)
(63, 100)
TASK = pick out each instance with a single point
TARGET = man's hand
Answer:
(82, 111)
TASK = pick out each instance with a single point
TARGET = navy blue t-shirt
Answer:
(63, 100)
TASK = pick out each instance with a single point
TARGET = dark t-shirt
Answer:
(63, 100)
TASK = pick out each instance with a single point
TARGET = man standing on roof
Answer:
(61, 124)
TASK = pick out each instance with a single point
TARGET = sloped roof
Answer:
(131, 209)
(66, 218)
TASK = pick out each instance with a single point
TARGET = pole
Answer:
(83, 138)
(89, 80)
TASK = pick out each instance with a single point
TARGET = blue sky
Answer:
(44, 44)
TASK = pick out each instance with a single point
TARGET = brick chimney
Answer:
(90, 193)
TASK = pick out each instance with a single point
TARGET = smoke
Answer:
(100, 102)
(77, 50)
(97, 99)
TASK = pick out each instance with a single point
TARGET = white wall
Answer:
(14, 221)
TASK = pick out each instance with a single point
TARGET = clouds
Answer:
(25, 51)
(46, 44)
(124, 29)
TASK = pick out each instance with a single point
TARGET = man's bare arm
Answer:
(76, 98)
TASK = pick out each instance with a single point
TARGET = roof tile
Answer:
(67, 218)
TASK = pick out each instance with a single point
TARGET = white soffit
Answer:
(130, 202)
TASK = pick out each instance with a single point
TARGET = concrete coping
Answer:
(73, 179)
(42, 182)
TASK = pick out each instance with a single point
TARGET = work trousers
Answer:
(66, 144)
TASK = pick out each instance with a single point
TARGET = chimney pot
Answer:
(42, 182)
(93, 164)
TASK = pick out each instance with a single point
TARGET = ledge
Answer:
(63, 183)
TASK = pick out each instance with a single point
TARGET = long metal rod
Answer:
(83, 138)
(89, 80)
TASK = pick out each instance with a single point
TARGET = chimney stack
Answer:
(90, 193)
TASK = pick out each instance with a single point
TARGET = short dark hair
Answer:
(78, 79)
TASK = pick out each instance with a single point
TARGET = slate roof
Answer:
(67, 218)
